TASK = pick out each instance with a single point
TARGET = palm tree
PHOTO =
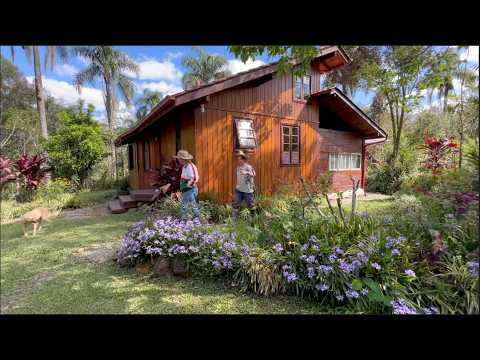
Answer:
(147, 102)
(203, 69)
(110, 66)
(50, 59)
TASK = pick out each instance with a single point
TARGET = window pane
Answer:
(294, 147)
(306, 86)
(342, 161)
(334, 161)
(286, 139)
(294, 139)
(286, 147)
(295, 157)
(298, 89)
(286, 157)
(295, 130)
(245, 124)
(247, 143)
(286, 130)
(356, 161)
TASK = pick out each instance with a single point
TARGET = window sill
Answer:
(345, 169)
(300, 101)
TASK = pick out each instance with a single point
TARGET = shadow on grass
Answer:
(42, 275)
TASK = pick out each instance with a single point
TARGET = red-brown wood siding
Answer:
(209, 135)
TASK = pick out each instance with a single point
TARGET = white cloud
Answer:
(236, 66)
(66, 93)
(152, 69)
(124, 112)
(65, 70)
(174, 55)
(164, 87)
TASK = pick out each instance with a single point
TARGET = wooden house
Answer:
(292, 126)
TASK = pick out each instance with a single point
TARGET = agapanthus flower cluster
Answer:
(430, 311)
(391, 242)
(472, 267)
(410, 273)
(288, 273)
(400, 307)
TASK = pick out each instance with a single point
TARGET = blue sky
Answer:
(160, 69)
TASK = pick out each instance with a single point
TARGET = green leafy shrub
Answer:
(77, 145)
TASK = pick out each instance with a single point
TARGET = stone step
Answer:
(147, 195)
(116, 207)
(127, 201)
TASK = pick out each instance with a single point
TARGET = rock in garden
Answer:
(180, 267)
(144, 268)
(162, 267)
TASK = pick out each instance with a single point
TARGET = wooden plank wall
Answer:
(162, 142)
(269, 105)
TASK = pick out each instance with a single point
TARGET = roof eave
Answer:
(353, 106)
(160, 109)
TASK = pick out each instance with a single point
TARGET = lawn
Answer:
(44, 275)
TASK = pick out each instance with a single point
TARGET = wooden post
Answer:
(355, 183)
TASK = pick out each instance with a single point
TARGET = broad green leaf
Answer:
(357, 284)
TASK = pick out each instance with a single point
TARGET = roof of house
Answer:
(329, 58)
(337, 102)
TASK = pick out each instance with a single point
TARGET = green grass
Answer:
(42, 275)
(10, 209)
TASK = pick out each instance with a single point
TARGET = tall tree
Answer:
(349, 77)
(50, 58)
(203, 69)
(147, 102)
(399, 76)
(468, 81)
(110, 66)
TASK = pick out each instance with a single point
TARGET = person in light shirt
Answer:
(245, 186)
(188, 184)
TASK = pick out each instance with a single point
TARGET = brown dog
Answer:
(35, 217)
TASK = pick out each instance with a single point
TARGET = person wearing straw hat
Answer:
(188, 183)
(245, 184)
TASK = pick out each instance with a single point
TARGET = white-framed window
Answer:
(246, 138)
(302, 87)
(344, 161)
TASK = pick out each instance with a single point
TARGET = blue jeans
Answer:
(240, 197)
(189, 203)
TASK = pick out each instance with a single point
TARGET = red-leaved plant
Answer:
(436, 153)
(31, 170)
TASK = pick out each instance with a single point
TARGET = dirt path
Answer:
(99, 210)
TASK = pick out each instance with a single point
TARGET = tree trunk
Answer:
(40, 102)
(110, 107)
(39, 92)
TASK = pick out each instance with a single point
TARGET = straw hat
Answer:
(240, 153)
(184, 155)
